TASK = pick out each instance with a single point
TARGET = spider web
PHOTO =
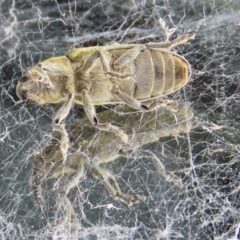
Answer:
(206, 158)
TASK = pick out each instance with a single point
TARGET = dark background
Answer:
(207, 159)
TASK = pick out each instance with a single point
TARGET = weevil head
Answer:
(29, 85)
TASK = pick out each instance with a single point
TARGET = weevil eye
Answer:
(23, 79)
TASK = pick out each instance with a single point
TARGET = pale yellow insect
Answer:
(128, 73)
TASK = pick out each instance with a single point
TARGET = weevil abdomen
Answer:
(157, 72)
(171, 71)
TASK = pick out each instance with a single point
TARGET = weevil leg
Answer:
(178, 41)
(75, 178)
(128, 56)
(111, 185)
(38, 176)
(89, 62)
(37, 193)
(181, 39)
(167, 104)
(105, 65)
(91, 114)
(107, 70)
(68, 219)
(162, 103)
(132, 102)
(64, 140)
(59, 117)
(168, 176)
(44, 77)
(64, 110)
(129, 100)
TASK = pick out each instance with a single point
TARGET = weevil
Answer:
(127, 73)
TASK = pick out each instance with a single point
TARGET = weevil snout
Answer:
(24, 95)
(26, 87)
